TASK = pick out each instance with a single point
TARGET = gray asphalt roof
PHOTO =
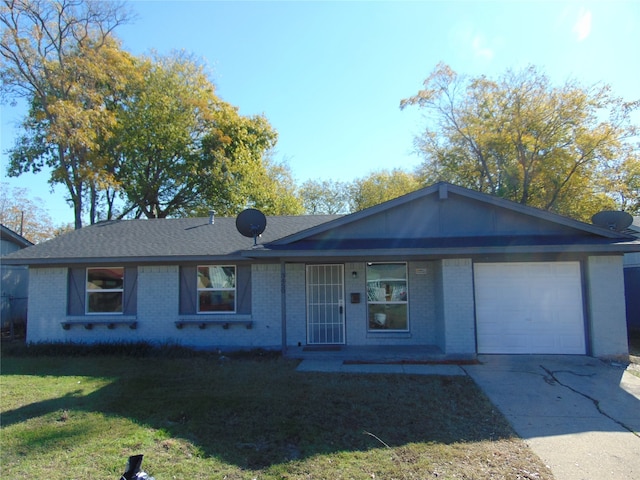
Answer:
(195, 239)
(158, 240)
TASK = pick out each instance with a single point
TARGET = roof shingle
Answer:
(159, 239)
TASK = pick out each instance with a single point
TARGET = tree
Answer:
(61, 56)
(622, 181)
(381, 186)
(237, 151)
(325, 197)
(182, 150)
(522, 138)
(274, 189)
(25, 216)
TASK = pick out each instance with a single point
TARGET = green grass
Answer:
(248, 417)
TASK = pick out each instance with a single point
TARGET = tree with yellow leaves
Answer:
(62, 58)
(524, 139)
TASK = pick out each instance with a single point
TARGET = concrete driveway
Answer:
(580, 415)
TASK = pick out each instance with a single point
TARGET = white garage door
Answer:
(529, 307)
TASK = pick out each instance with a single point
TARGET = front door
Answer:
(325, 304)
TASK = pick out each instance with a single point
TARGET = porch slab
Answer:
(379, 354)
(391, 359)
(339, 366)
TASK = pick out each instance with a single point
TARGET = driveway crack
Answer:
(552, 376)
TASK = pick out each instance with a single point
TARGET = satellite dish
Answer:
(251, 223)
(612, 219)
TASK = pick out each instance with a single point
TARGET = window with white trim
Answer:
(387, 299)
(216, 288)
(105, 290)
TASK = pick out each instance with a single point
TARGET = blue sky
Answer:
(329, 76)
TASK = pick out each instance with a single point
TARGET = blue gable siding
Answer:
(455, 216)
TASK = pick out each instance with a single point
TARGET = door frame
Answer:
(325, 303)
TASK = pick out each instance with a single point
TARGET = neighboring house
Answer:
(632, 281)
(443, 269)
(15, 283)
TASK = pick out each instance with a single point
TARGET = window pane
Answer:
(216, 301)
(216, 277)
(387, 282)
(387, 296)
(105, 290)
(382, 271)
(388, 317)
(104, 302)
(105, 278)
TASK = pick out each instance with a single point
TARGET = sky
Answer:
(329, 75)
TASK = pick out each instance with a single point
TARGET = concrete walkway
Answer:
(580, 415)
(339, 366)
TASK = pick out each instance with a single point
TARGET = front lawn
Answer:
(254, 417)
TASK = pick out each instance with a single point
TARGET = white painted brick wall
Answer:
(266, 307)
(158, 296)
(296, 298)
(355, 313)
(158, 309)
(439, 328)
(47, 305)
(422, 302)
(607, 315)
(265, 315)
(157, 313)
(48, 309)
(458, 307)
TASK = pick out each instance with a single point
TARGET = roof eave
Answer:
(10, 235)
(269, 254)
(150, 260)
(445, 252)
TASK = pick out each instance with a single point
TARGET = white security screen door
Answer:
(325, 304)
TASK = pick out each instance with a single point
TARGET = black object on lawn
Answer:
(133, 469)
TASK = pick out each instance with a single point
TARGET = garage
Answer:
(529, 307)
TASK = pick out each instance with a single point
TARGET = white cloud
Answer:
(582, 27)
(469, 40)
(480, 49)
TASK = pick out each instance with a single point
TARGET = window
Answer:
(387, 296)
(191, 284)
(216, 289)
(105, 290)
